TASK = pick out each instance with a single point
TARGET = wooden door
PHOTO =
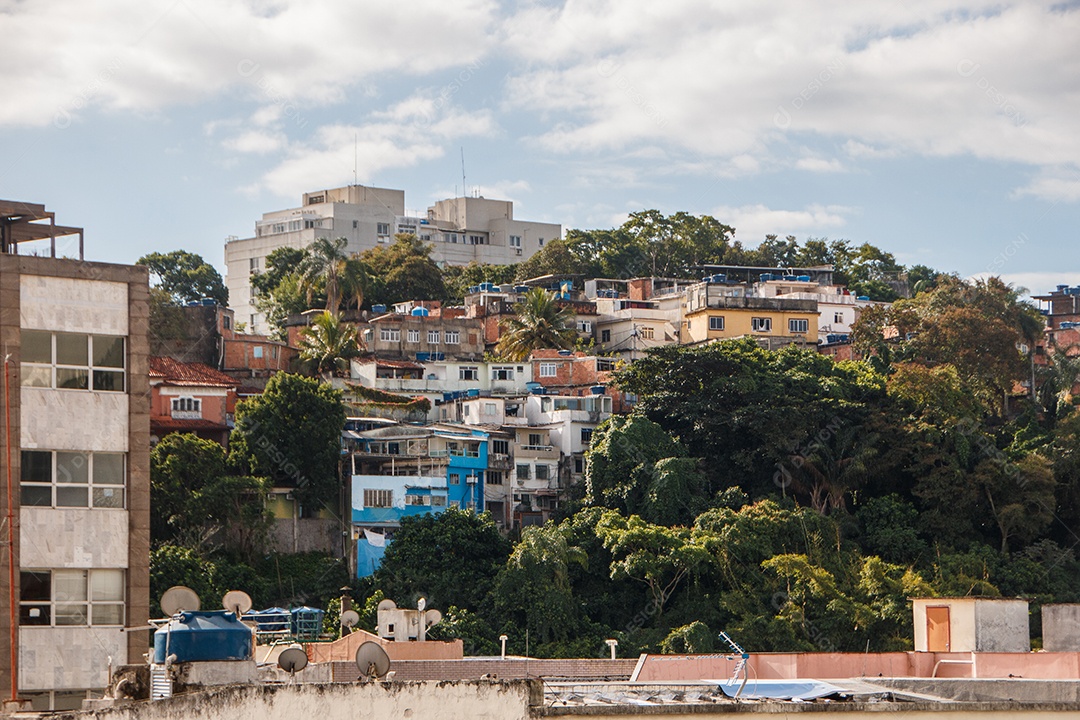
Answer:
(937, 629)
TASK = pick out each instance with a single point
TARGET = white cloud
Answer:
(256, 141)
(62, 57)
(1054, 184)
(753, 222)
(821, 165)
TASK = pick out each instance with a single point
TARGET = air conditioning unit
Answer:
(518, 251)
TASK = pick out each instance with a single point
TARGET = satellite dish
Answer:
(292, 659)
(432, 617)
(349, 618)
(388, 605)
(237, 601)
(372, 660)
(179, 599)
(421, 604)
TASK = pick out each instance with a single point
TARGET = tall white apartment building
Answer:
(460, 230)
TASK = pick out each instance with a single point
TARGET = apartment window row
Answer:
(798, 326)
(71, 597)
(540, 472)
(73, 361)
(505, 373)
(187, 405)
(387, 334)
(548, 369)
(60, 478)
(378, 498)
(468, 373)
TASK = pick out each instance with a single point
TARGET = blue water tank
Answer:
(597, 389)
(521, 288)
(804, 278)
(378, 309)
(862, 297)
(420, 312)
(203, 637)
(765, 277)
(472, 392)
(474, 289)
(487, 287)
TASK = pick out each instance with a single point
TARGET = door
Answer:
(937, 629)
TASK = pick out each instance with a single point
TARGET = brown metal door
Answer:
(937, 629)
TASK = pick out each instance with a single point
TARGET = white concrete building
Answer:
(460, 230)
(79, 414)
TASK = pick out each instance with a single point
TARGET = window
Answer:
(515, 241)
(355, 224)
(541, 472)
(647, 333)
(536, 440)
(579, 465)
(494, 477)
(62, 478)
(257, 351)
(455, 479)
(438, 501)
(387, 334)
(605, 336)
(226, 322)
(187, 405)
(477, 240)
(253, 265)
(798, 326)
(500, 447)
(433, 337)
(414, 336)
(383, 229)
(523, 472)
(584, 326)
(468, 373)
(586, 436)
(604, 365)
(838, 317)
(453, 337)
(71, 597)
(73, 362)
(378, 498)
(489, 409)
(716, 322)
(759, 324)
(548, 369)
(541, 242)
(502, 373)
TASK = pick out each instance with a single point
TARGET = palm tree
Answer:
(327, 344)
(538, 322)
(326, 265)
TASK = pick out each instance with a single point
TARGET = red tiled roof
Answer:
(174, 372)
(176, 425)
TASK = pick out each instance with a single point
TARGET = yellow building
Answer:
(716, 311)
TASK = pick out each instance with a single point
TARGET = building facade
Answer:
(77, 415)
(460, 231)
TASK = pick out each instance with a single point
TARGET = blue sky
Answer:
(944, 132)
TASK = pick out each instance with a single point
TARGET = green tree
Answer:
(327, 268)
(185, 276)
(291, 434)
(450, 558)
(403, 271)
(1020, 496)
(538, 322)
(327, 345)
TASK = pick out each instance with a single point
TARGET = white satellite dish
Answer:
(387, 605)
(421, 604)
(372, 660)
(179, 598)
(236, 601)
(349, 618)
(292, 660)
(432, 617)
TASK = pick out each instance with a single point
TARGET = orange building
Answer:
(190, 397)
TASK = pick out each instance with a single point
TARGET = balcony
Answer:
(500, 462)
(540, 452)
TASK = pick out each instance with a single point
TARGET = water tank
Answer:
(863, 297)
(521, 288)
(202, 637)
(765, 277)
(473, 289)
(804, 278)
(378, 309)
(597, 389)
(420, 312)
(487, 287)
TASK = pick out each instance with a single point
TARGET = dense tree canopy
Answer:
(185, 276)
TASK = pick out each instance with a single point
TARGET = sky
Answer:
(946, 132)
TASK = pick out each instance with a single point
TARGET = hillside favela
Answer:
(519, 360)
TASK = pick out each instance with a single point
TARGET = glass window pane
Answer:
(108, 469)
(107, 615)
(69, 585)
(109, 381)
(72, 379)
(36, 346)
(70, 614)
(71, 349)
(33, 376)
(108, 497)
(108, 351)
(34, 615)
(107, 585)
(72, 467)
(35, 585)
(71, 496)
(40, 495)
(36, 466)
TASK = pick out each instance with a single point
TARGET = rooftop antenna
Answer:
(355, 141)
(372, 661)
(464, 187)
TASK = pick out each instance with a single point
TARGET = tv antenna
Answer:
(292, 660)
(464, 187)
(236, 601)
(372, 661)
(178, 599)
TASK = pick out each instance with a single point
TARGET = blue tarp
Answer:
(368, 557)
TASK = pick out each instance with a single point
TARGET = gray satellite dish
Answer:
(237, 601)
(432, 617)
(349, 618)
(178, 599)
(292, 659)
(372, 660)
(387, 605)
